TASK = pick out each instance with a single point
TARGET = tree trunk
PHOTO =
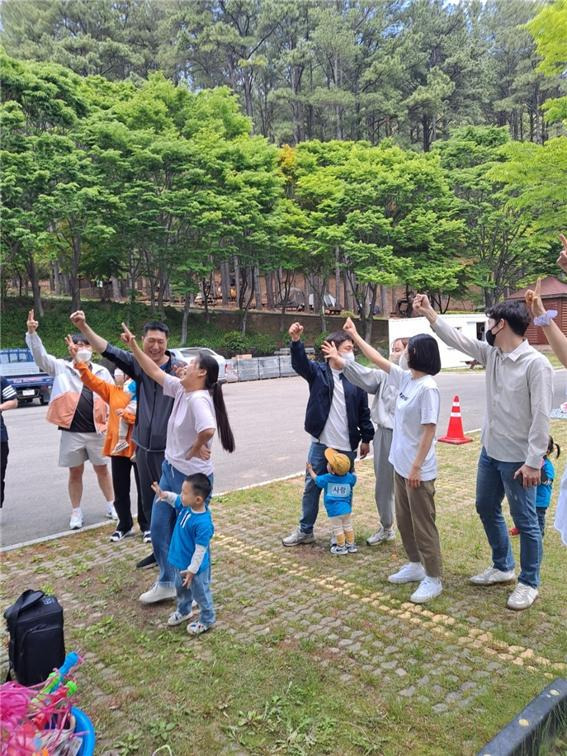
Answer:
(116, 294)
(383, 301)
(269, 279)
(205, 289)
(237, 278)
(337, 278)
(185, 319)
(370, 319)
(74, 279)
(36, 289)
(225, 282)
(57, 282)
(257, 292)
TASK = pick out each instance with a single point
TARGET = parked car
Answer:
(18, 367)
(188, 354)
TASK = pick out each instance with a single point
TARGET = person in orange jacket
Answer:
(122, 463)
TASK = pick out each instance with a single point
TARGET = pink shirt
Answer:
(193, 412)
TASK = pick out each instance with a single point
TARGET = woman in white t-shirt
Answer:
(198, 411)
(413, 457)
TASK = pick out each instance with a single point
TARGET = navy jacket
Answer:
(321, 385)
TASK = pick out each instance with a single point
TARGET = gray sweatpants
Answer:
(384, 473)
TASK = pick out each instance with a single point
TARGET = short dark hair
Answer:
(156, 325)
(423, 354)
(80, 338)
(339, 337)
(515, 313)
(201, 485)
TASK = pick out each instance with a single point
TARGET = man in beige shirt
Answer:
(515, 434)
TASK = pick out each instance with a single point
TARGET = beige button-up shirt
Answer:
(519, 395)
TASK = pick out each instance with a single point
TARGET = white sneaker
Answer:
(522, 597)
(177, 618)
(157, 593)
(412, 572)
(427, 590)
(111, 512)
(76, 521)
(381, 535)
(491, 576)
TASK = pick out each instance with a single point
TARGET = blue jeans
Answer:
(163, 522)
(494, 480)
(199, 591)
(312, 492)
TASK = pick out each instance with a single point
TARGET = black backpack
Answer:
(37, 646)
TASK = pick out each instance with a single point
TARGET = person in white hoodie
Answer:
(79, 415)
(375, 381)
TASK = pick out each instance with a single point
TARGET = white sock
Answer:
(110, 505)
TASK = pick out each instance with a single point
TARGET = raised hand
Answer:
(78, 318)
(329, 350)
(350, 327)
(421, 303)
(71, 346)
(533, 300)
(295, 331)
(32, 323)
(562, 259)
(127, 336)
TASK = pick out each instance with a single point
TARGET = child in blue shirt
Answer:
(337, 485)
(189, 551)
(543, 491)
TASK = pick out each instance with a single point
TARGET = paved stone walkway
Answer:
(339, 609)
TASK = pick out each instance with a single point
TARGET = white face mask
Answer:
(347, 356)
(403, 363)
(84, 355)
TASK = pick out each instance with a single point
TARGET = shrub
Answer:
(234, 342)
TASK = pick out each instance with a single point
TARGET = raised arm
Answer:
(368, 379)
(148, 366)
(299, 360)
(96, 384)
(79, 320)
(365, 348)
(555, 337)
(479, 350)
(46, 362)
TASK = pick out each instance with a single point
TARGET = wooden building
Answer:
(554, 297)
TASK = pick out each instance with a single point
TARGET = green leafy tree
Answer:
(501, 242)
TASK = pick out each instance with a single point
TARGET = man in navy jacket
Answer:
(337, 417)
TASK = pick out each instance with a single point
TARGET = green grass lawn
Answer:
(312, 653)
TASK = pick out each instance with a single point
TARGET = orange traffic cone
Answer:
(455, 434)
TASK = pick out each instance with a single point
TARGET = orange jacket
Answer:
(116, 398)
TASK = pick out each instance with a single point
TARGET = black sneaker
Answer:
(147, 562)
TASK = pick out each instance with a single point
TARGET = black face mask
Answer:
(490, 336)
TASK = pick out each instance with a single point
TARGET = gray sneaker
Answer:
(382, 535)
(297, 538)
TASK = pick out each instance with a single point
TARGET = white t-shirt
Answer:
(193, 412)
(335, 434)
(417, 404)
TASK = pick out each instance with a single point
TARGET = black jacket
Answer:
(321, 385)
(154, 408)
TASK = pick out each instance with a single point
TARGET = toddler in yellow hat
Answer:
(337, 485)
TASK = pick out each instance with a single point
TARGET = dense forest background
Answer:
(383, 141)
